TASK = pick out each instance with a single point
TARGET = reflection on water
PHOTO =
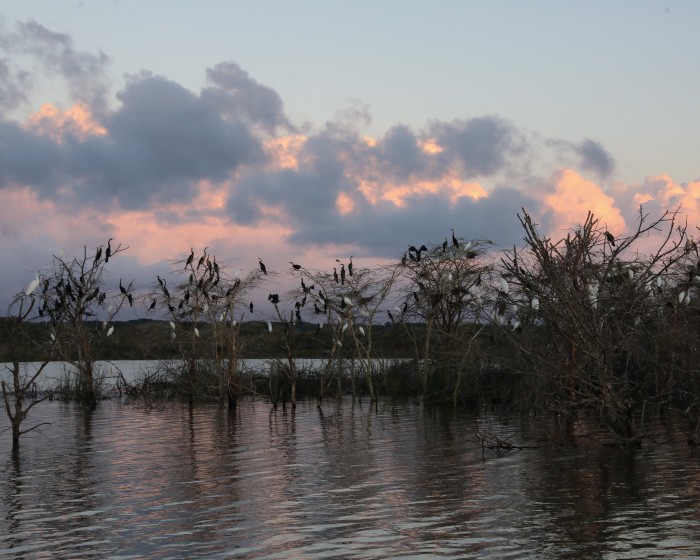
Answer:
(349, 482)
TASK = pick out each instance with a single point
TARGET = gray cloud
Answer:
(236, 94)
(595, 158)
(14, 85)
(484, 145)
(83, 72)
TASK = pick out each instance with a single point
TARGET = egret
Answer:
(345, 327)
(33, 285)
(503, 287)
(263, 268)
(110, 330)
(172, 325)
(347, 300)
(196, 332)
(269, 326)
(361, 330)
(173, 335)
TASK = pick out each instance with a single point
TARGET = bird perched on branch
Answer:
(610, 238)
(263, 268)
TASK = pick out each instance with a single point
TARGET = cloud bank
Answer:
(162, 169)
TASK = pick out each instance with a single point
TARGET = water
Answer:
(405, 481)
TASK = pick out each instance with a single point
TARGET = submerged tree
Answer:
(592, 306)
(22, 395)
(205, 307)
(73, 299)
(442, 307)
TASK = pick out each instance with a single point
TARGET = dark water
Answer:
(405, 481)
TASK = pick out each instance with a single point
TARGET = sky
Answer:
(313, 130)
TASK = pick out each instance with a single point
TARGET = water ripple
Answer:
(402, 482)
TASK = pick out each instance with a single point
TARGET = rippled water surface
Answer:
(402, 481)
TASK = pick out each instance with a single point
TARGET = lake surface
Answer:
(402, 481)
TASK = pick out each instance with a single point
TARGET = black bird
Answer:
(454, 239)
(160, 281)
(342, 274)
(444, 245)
(98, 254)
(153, 305)
(295, 266)
(190, 258)
(390, 316)
(274, 298)
(298, 316)
(201, 260)
(122, 289)
(317, 310)
(251, 307)
(350, 266)
(263, 268)
(131, 300)
(610, 238)
(108, 251)
(335, 274)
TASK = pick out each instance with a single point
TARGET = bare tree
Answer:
(23, 386)
(441, 307)
(591, 303)
(73, 299)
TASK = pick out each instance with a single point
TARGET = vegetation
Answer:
(584, 325)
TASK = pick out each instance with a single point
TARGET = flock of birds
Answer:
(75, 296)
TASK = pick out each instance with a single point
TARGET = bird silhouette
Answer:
(454, 239)
(610, 238)
(190, 258)
(295, 266)
(263, 268)
(108, 251)
(350, 266)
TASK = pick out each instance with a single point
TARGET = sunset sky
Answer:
(315, 130)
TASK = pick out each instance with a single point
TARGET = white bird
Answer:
(681, 296)
(172, 335)
(516, 325)
(110, 309)
(110, 330)
(345, 327)
(535, 303)
(235, 323)
(269, 326)
(347, 300)
(33, 285)
(361, 330)
(686, 299)
(196, 332)
(339, 343)
(172, 325)
(504, 286)
(53, 336)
